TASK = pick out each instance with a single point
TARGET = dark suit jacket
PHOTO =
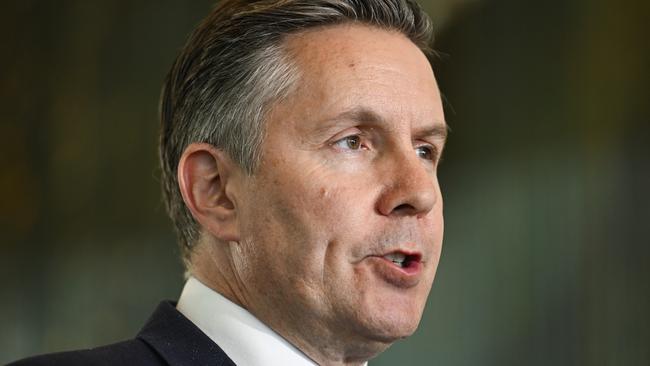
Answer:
(168, 338)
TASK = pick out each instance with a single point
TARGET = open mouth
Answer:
(403, 260)
(399, 268)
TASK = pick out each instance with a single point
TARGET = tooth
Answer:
(397, 258)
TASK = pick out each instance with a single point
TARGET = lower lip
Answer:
(403, 277)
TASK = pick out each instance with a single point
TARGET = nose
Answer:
(410, 187)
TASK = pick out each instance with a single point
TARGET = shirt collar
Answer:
(243, 337)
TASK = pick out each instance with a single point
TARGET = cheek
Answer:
(437, 222)
(302, 207)
(324, 199)
(287, 216)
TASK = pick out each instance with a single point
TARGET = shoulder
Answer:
(168, 338)
(131, 352)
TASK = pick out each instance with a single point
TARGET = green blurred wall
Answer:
(546, 179)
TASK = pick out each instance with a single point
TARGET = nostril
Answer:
(404, 208)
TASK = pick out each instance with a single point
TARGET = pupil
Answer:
(424, 153)
(353, 142)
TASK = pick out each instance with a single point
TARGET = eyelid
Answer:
(349, 133)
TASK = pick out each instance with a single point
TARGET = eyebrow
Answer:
(366, 115)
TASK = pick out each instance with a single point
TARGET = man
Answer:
(299, 148)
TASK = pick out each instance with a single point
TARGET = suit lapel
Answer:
(179, 341)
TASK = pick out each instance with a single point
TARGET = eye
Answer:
(425, 152)
(352, 142)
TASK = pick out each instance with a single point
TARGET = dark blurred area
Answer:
(545, 178)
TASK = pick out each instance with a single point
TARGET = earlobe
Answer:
(204, 172)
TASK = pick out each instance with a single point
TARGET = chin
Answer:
(389, 322)
(392, 331)
(374, 336)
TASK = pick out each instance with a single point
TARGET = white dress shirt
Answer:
(245, 339)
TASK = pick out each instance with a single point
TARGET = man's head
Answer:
(299, 148)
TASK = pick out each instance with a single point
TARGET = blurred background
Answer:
(546, 179)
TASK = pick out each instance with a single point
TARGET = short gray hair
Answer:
(234, 66)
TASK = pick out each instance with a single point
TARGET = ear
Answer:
(204, 172)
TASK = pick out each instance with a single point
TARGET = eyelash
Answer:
(432, 151)
(346, 139)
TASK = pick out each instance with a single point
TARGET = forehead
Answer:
(352, 66)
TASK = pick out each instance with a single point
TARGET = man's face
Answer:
(347, 180)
